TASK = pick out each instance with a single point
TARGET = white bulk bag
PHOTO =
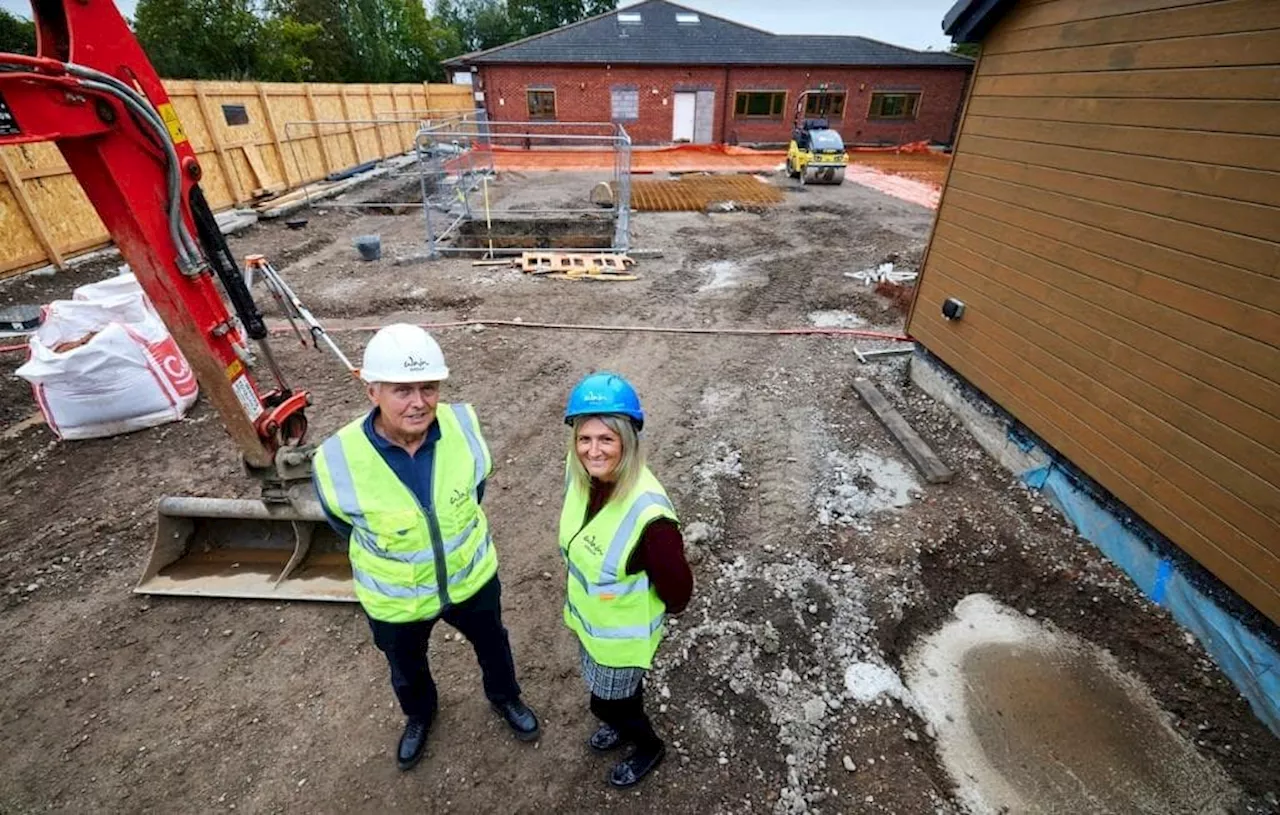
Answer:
(108, 365)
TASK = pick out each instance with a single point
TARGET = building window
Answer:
(626, 104)
(542, 105)
(824, 105)
(760, 104)
(894, 105)
(235, 115)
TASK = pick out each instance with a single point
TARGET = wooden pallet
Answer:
(599, 277)
(574, 263)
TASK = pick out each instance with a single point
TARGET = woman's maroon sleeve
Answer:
(661, 554)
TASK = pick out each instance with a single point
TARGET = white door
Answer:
(686, 104)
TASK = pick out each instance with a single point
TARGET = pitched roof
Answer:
(657, 37)
(970, 20)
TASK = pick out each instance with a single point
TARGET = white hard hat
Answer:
(403, 353)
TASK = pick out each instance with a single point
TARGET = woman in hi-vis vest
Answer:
(620, 539)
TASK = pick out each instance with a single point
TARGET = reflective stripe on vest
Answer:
(373, 584)
(399, 578)
(623, 632)
(474, 443)
(617, 545)
(617, 617)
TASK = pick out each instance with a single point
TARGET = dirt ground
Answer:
(814, 545)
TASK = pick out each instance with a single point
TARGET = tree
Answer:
(17, 36)
(536, 16)
(199, 39)
(369, 40)
(484, 24)
(966, 49)
(283, 45)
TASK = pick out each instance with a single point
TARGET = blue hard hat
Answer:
(602, 393)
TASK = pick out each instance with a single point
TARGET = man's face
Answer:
(408, 408)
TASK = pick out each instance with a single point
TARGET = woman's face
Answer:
(599, 449)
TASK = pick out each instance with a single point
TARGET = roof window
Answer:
(629, 18)
(687, 19)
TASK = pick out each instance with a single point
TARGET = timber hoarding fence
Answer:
(238, 131)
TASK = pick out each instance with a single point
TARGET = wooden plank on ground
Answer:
(922, 455)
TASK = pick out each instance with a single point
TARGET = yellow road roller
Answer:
(816, 153)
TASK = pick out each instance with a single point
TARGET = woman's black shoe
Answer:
(635, 767)
(605, 739)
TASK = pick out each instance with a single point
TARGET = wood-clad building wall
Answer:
(250, 137)
(1112, 222)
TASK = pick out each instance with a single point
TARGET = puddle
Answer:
(836, 319)
(1032, 720)
(716, 399)
(724, 274)
(862, 484)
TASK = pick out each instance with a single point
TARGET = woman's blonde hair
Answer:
(630, 464)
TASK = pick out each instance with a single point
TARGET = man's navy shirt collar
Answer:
(383, 445)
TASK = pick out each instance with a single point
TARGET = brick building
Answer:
(672, 74)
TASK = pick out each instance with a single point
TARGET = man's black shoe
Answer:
(605, 739)
(413, 743)
(519, 718)
(632, 769)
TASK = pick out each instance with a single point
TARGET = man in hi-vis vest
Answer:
(404, 484)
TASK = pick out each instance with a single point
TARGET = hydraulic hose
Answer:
(177, 229)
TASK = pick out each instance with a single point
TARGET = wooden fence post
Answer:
(377, 128)
(224, 160)
(351, 133)
(275, 134)
(28, 209)
(324, 148)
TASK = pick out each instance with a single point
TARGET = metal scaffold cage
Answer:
(456, 159)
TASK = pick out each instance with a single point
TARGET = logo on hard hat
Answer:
(596, 397)
(412, 363)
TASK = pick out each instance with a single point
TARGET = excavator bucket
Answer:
(217, 547)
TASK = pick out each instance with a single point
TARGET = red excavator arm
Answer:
(93, 93)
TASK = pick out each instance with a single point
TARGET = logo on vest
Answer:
(458, 498)
(589, 541)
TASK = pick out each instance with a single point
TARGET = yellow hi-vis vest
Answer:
(617, 617)
(409, 562)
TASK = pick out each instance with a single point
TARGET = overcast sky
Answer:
(913, 23)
